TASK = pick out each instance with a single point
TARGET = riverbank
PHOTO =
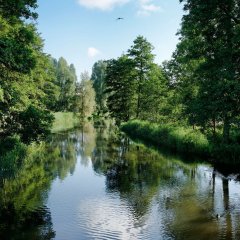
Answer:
(13, 150)
(183, 140)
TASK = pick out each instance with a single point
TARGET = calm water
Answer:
(94, 184)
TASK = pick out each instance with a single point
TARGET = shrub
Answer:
(12, 152)
(35, 124)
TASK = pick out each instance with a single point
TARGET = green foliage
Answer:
(155, 96)
(17, 42)
(44, 76)
(35, 124)
(1, 95)
(120, 88)
(66, 81)
(28, 77)
(12, 153)
(142, 59)
(227, 153)
(24, 186)
(136, 87)
(16, 9)
(98, 77)
(85, 97)
(210, 37)
(179, 139)
(64, 121)
(185, 140)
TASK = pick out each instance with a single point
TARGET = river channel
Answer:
(98, 184)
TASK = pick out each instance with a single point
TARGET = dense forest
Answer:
(192, 99)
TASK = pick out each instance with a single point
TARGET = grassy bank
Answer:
(184, 140)
(178, 139)
(64, 121)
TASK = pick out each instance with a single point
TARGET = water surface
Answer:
(96, 184)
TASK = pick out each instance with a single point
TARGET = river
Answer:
(98, 184)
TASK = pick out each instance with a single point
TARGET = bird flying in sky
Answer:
(120, 18)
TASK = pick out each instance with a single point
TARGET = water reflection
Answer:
(191, 199)
(97, 184)
(23, 196)
(22, 200)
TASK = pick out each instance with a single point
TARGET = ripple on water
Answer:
(110, 218)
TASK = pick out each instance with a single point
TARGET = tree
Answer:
(17, 42)
(142, 57)
(22, 70)
(49, 83)
(120, 88)
(66, 80)
(135, 86)
(154, 106)
(18, 99)
(18, 9)
(85, 97)
(210, 33)
(99, 85)
(35, 124)
(185, 87)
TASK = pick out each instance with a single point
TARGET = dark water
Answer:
(97, 185)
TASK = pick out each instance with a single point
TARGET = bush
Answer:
(12, 152)
(35, 124)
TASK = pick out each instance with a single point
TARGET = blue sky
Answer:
(84, 31)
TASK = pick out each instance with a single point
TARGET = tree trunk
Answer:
(138, 100)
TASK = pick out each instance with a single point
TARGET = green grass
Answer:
(64, 121)
(185, 140)
(178, 139)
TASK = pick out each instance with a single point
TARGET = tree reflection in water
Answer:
(189, 204)
(161, 193)
(23, 196)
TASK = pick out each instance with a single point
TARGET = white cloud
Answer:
(147, 7)
(93, 52)
(102, 4)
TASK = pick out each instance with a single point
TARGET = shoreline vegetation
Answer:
(13, 150)
(183, 140)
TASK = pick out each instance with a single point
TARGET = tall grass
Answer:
(65, 121)
(179, 139)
